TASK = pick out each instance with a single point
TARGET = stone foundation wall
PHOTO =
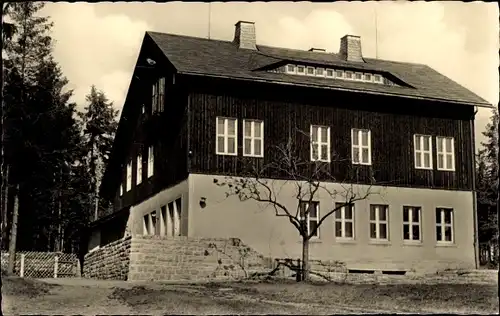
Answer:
(110, 262)
(161, 258)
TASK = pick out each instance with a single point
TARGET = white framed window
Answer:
(368, 77)
(226, 140)
(161, 94)
(339, 74)
(445, 153)
(291, 69)
(411, 224)
(301, 70)
(320, 72)
(320, 143)
(310, 213)
(121, 189)
(129, 176)
(379, 222)
(377, 79)
(311, 71)
(143, 109)
(344, 221)
(154, 98)
(444, 225)
(139, 169)
(330, 73)
(151, 161)
(358, 76)
(422, 145)
(361, 146)
(253, 138)
(349, 75)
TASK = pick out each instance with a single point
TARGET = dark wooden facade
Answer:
(392, 121)
(184, 134)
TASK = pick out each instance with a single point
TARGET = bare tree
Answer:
(310, 179)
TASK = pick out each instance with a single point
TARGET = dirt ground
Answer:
(83, 296)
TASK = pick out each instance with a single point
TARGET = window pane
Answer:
(220, 126)
(220, 144)
(449, 161)
(365, 155)
(416, 232)
(310, 71)
(338, 213)
(248, 128)
(406, 232)
(257, 127)
(415, 213)
(383, 231)
(355, 153)
(355, 137)
(448, 144)
(447, 217)
(231, 127)
(405, 214)
(315, 151)
(339, 74)
(324, 134)
(358, 76)
(319, 71)
(438, 216)
(368, 77)
(314, 135)
(302, 208)
(348, 230)
(440, 159)
(312, 210)
(447, 233)
(373, 231)
(382, 213)
(348, 212)
(248, 146)
(329, 73)
(291, 68)
(418, 160)
(257, 147)
(338, 229)
(417, 142)
(231, 145)
(300, 69)
(427, 160)
(312, 226)
(439, 144)
(372, 213)
(324, 152)
(438, 233)
(426, 143)
(364, 138)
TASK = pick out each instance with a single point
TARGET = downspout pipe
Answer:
(474, 193)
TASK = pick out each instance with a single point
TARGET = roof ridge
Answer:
(189, 36)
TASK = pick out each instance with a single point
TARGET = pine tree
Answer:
(99, 121)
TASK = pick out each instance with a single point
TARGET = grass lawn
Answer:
(81, 296)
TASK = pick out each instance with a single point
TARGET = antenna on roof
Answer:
(376, 31)
(209, 14)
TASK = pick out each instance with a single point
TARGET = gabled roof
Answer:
(193, 55)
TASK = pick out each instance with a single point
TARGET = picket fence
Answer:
(33, 264)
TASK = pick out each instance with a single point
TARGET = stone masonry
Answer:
(110, 262)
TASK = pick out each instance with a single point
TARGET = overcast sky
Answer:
(98, 43)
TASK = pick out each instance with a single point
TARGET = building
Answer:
(199, 109)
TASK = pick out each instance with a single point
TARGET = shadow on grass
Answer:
(16, 286)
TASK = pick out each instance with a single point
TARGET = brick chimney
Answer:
(244, 35)
(350, 48)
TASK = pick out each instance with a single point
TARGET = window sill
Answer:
(452, 245)
(446, 170)
(423, 168)
(345, 241)
(413, 243)
(379, 242)
(361, 164)
(250, 156)
(223, 154)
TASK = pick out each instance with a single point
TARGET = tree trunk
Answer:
(305, 259)
(5, 210)
(13, 234)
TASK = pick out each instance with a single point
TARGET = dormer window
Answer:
(320, 72)
(377, 78)
(310, 71)
(349, 75)
(301, 70)
(290, 69)
(368, 77)
(339, 74)
(358, 76)
(329, 73)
